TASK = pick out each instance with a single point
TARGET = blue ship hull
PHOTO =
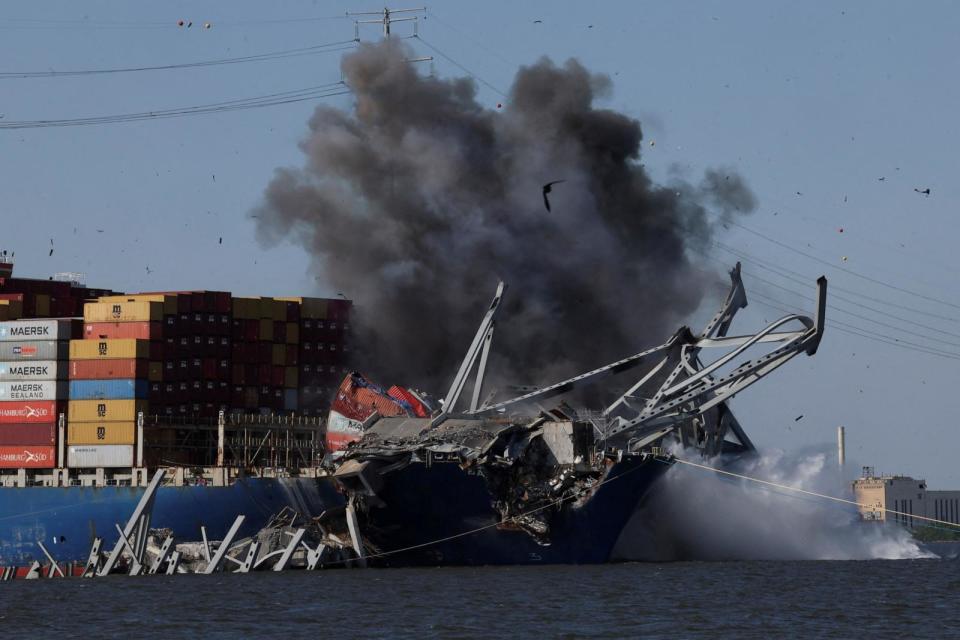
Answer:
(67, 519)
(441, 502)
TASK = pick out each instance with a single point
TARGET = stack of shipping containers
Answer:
(323, 354)
(109, 380)
(32, 390)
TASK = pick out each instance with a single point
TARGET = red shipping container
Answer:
(277, 376)
(209, 368)
(39, 412)
(135, 330)
(108, 369)
(279, 331)
(264, 374)
(27, 457)
(292, 355)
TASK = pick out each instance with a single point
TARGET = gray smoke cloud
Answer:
(419, 199)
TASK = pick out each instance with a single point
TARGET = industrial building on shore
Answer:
(903, 499)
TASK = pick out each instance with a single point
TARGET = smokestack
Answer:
(419, 198)
(841, 446)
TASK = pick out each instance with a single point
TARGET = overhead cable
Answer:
(254, 102)
(342, 45)
(844, 269)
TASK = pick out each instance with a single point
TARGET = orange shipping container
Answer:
(123, 330)
(42, 302)
(98, 349)
(108, 369)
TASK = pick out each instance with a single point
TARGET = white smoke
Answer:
(696, 514)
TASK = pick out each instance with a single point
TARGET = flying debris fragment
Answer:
(925, 192)
(798, 418)
(547, 188)
(207, 25)
(881, 178)
(840, 230)
(221, 240)
(180, 23)
(844, 258)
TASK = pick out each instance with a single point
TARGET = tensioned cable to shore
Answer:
(815, 494)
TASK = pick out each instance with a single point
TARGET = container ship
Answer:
(229, 395)
(98, 388)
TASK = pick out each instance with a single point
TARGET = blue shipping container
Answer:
(118, 389)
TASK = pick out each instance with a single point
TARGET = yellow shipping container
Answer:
(105, 410)
(291, 378)
(266, 330)
(169, 301)
(265, 308)
(109, 349)
(123, 311)
(312, 308)
(293, 333)
(246, 308)
(155, 372)
(101, 432)
(11, 309)
(278, 310)
(278, 355)
(43, 305)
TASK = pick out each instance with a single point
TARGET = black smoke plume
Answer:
(416, 201)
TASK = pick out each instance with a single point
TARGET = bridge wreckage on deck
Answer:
(514, 483)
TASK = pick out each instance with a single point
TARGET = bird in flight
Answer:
(547, 188)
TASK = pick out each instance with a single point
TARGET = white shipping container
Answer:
(32, 370)
(39, 329)
(101, 455)
(33, 390)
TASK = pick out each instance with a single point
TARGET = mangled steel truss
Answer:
(678, 394)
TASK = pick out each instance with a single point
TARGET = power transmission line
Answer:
(780, 270)
(844, 269)
(847, 300)
(274, 55)
(254, 102)
(844, 327)
(461, 67)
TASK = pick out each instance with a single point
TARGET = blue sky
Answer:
(824, 99)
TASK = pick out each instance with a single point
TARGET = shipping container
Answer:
(137, 330)
(169, 302)
(123, 312)
(313, 308)
(30, 330)
(97, 456)
(45, 411)
(33, 370)
(105, 410)
(27, 457)
(293, 333)
(155, 372)
(109, 389)
(101, 433)
(28, 434)
(246, 308)
(34, 350)
(24, 391)
(103, 369)
(110, 349)
(290, 400)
